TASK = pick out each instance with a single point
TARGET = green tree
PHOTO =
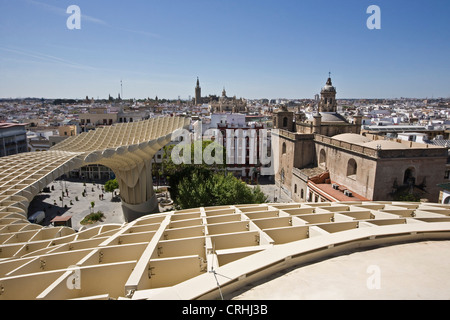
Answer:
(204, 188)
(175, 173)
(111, 186)
(207, 148)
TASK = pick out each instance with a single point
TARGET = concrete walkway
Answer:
(272, 191)
(415, 271)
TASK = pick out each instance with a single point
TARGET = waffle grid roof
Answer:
(173, 255)
(122, 147)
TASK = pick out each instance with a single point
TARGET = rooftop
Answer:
(352, 138)
(332, 117)
(398, 267)
(382, 144)
(327, 190)
(4, 125)
(170, 255)
(387, 145)
(402, 128)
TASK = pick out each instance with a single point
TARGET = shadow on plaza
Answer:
(266, 180)
(51, 210)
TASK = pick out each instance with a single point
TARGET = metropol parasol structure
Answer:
(200, 253)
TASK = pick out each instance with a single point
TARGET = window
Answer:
(447, 174)
(352, 168)
(322, 158)
(409, 178)
(302, 194)
(295, 189)
(284, 148)
(285, 122)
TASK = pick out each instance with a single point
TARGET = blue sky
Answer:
(253, 48)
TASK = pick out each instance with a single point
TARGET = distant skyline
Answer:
(255, 49)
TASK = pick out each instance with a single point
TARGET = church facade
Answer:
(327, 159)
(326, 121)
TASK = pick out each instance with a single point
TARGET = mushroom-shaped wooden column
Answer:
(128, 150)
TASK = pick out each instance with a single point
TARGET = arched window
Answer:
(409, 177)
(283, 151)
(285, 122)
(352, 168)
(322, 158)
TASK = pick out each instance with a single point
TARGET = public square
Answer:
(55, 205)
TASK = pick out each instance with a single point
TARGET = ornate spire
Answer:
(329, 79)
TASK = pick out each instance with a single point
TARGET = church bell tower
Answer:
(328, 97)
(198, 93)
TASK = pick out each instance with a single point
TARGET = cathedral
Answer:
(228, 105)
(223, 104)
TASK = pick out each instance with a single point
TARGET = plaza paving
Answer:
(112, 209)
(274, 193)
